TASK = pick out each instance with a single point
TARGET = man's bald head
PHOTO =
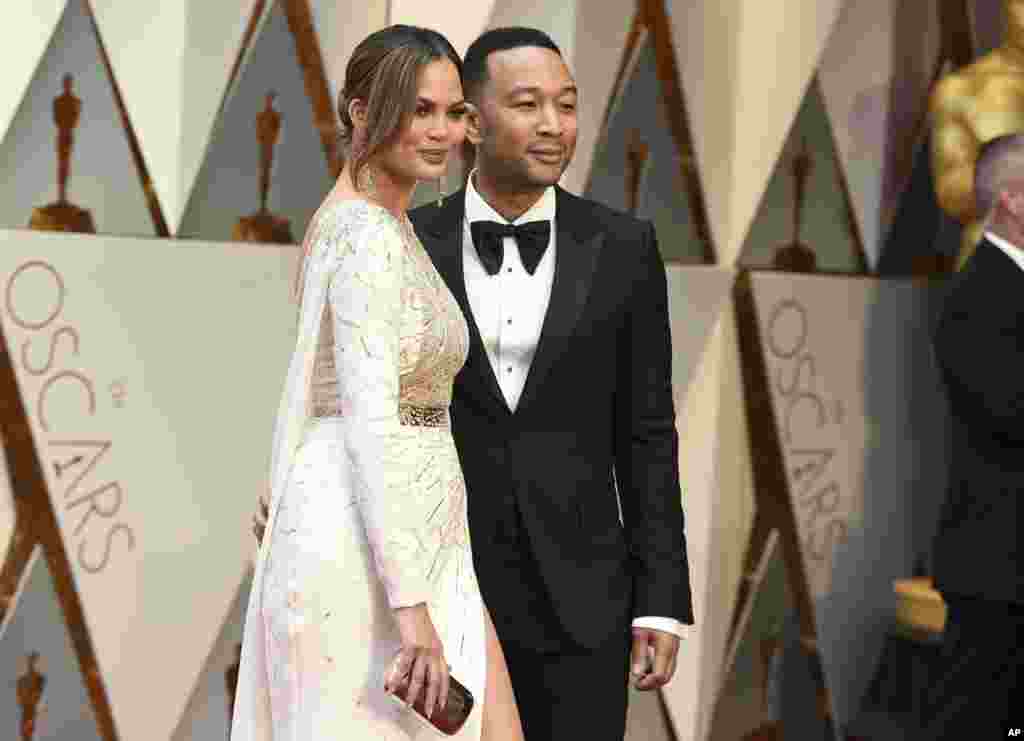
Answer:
(1000, 166)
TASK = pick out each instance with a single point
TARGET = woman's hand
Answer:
(259, 520)
(420, 662)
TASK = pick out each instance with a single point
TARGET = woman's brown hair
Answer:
(383, 72)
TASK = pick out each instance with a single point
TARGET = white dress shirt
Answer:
(509, 309)
(1014, 253)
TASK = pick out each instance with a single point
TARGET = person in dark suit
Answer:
(564, 406)
(979, 348)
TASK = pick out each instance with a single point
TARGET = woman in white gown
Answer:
(365, 581)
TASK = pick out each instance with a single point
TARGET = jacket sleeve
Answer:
(647, 447)
(981, 357)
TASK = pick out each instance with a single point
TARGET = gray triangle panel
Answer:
(103, 176)
(228, 185)
(668, 189)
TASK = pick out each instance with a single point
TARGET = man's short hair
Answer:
(474, 66)
(999, 160)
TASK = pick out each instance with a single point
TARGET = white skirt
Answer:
(319, 635)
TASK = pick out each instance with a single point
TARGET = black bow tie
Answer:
(532, 238)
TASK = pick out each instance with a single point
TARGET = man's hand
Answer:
(650, 673)
(259, 520)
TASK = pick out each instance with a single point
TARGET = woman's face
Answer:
(435, 129)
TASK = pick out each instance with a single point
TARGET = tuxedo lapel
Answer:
(442, 238)
(576, 252)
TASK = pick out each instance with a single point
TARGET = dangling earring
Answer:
(440, 191)
(367, 182)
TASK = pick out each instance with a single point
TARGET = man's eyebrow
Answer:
(570, 88)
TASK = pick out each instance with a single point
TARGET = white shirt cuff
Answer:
(664, 624)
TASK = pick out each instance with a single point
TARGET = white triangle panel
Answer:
(459, 22)
(777, 50)
(145, 42)
(600, 40)
(698, 297)
(172, 62)
(340, 26)
(706, 37)
(153, 424)
(24, 35)
(875, 74)
(557, 18)
(213, 33)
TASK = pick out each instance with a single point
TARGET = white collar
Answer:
(1012, 251)
(477, 209)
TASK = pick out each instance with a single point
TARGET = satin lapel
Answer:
(575, 258)
(442, 238)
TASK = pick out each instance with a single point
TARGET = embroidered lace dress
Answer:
(368, 503)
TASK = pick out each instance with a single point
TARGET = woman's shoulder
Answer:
(354, 220)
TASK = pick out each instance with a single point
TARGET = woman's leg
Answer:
(501, 714)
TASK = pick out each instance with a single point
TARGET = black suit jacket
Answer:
(596, 410)
(979, 347)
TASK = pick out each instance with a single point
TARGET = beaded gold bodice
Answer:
(434, 339)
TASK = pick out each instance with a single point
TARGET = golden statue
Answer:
(30, 692)
(972, 106)
(636, 157)
(797, 257)
(231, 681)
(63, 216)
(263, 226)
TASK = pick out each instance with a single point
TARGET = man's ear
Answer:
(474, 125)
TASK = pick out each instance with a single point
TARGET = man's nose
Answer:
(550, 121)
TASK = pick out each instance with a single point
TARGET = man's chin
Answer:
(545, 178)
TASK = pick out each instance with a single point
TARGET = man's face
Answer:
(525, 130)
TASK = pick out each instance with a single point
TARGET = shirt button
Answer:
(509, 321)
(509, 369)
(508, 270)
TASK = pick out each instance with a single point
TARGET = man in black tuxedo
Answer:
(565, 398)
(979, 347)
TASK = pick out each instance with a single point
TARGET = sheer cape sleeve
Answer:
(365, 299)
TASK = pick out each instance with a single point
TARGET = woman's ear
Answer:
(357, 112)
(474, 124)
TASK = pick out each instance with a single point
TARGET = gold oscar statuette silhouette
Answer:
(636, 157)
(62, 215)
(263, 226)
(231, 682)
(797, 257)
(969, 107)
(30, 691)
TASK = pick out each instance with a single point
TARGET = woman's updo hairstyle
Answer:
(383, 72)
